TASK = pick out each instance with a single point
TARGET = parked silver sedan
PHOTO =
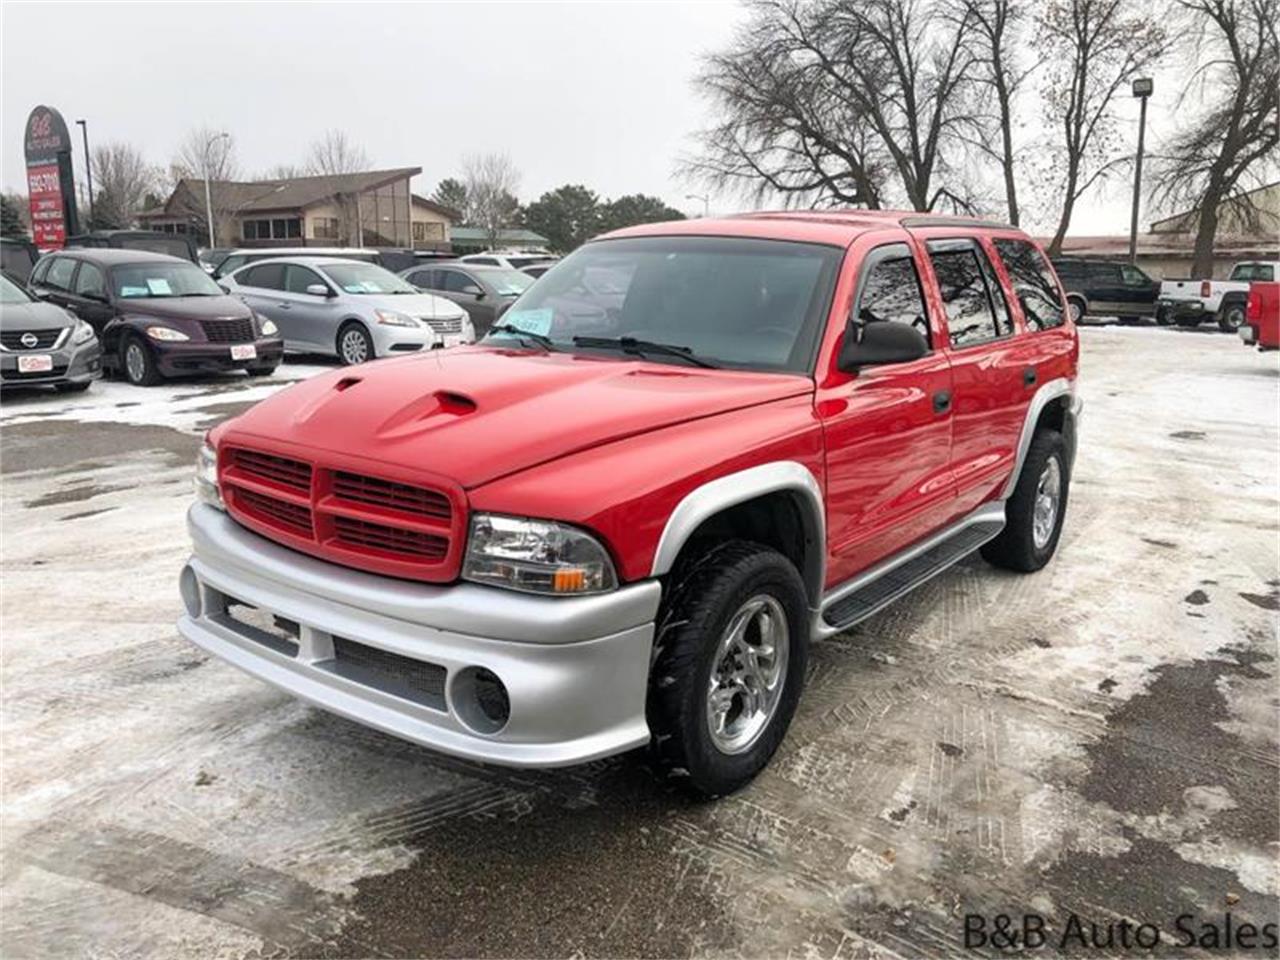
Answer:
(356, 311)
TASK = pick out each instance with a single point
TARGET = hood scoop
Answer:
(424, 413)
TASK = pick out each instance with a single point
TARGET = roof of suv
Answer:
(821, 226)
(109, 256)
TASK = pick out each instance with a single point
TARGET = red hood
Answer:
(478, 413)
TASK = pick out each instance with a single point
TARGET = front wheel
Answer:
(1076, 306)
(354, 344)
(729, 666)
(138, 364)
(1035, 512)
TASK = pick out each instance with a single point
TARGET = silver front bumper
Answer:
(575, 669)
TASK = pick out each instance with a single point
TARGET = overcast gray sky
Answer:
(592, 93)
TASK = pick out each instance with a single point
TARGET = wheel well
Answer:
(342, 328)
(779, 520)
(1055, 413)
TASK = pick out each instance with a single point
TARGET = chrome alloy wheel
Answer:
(1048, 502)
(748, 674)
(135, 362)
(355, 349)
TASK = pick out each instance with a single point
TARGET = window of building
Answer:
(1033, 283)
(891, 294)
(424, 230)
(277, 229)
(324, 228)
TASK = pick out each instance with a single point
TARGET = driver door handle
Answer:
(1029, 376)
(942, 401)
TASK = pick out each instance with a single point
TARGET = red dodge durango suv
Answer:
(619, 519)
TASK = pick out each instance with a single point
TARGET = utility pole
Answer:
(88, 167)
(1142, 88)
(706, 202)
(208, 197)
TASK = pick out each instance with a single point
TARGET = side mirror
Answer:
(318, 290)
(879, 342)
(474, 291)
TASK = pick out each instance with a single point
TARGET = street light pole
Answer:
(706, 201)
(88, 167)
(1142, 88)
(208, 198)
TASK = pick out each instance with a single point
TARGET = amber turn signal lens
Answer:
(572, 580)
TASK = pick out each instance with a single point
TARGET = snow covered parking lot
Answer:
(1099, 739)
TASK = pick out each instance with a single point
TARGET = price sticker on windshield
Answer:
(537, 321)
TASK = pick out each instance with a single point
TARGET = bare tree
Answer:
(1229, 144)
(123, 179)
(334, 153)
(208, 153)
(283, 171)
(826, 100)
(1093, 48)
(994, 36)
(491, 181)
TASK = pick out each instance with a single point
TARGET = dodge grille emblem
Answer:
(29, 340)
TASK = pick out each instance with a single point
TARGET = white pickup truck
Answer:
(1189, 303)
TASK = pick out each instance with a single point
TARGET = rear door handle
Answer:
(1029, 377)
(942, 401)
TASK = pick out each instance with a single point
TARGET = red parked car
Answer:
(619, 519)
(1261, 325)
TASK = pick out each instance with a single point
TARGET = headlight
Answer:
(81, 333)
(536, 556)
(166, 333)
(394, 319)
(206, 480)
(267, 327)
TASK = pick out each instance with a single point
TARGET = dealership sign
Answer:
(50, 183)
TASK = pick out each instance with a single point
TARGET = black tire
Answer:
(1078, 308)
(72, 387)
(264, 370)
(353, 329)
(703, 597)
(145, 373)
(1231, 317)
(1016, 547)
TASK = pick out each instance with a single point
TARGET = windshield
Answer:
(365, 278)
(508, 283)
(10, 292)
(751, 304)
(1254, 271)
(134, 281)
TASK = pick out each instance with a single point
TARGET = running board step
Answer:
(905, 577)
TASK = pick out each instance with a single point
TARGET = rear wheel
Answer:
(730, 662)
(1232, 317)
(1076, 306)
(1035, 512)
(354, 344)
(138, 364)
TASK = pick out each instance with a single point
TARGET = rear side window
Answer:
(269, 276)
(90, 282)
(965, 292)
(60, 271)
(1254, 271)
(891, 294)
(1033, 283)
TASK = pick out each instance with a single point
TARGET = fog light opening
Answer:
(480, 700)
(189, 586)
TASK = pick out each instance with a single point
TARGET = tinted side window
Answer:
(422, 278)
(90, 282)
(964, 293)
(1104, 273)
(1033, 283)
(296, 278)
(891, 294)
(456, 281)
(60, 271)
(40, 269)
(269, 276)
(1004, 319)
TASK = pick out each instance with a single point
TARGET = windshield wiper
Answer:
(545, 342)
(641, 347)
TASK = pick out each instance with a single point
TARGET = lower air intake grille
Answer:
(391, 673)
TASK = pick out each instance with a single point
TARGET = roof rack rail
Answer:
(926, 220)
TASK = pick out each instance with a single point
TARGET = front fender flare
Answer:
(716, 495)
